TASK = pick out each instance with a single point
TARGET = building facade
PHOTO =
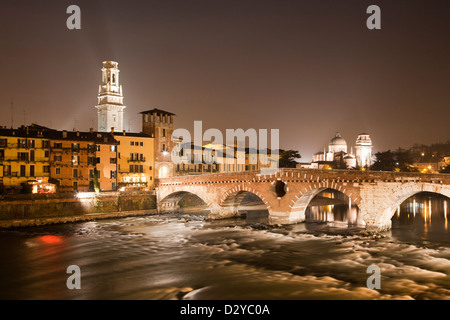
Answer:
(135, 161)
(24, 159)
(338, 154)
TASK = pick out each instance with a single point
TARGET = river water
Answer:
(185, 257)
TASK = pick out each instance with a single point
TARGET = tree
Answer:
(400, 160)
(404, 162)
(385, 161)
(288, 158)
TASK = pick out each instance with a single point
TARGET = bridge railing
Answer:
(314, 174)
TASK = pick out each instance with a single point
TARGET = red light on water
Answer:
(51, 239)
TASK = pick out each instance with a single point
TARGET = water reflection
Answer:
(423, 218)
(333, 208)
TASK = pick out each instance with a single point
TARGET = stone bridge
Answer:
(286, 193)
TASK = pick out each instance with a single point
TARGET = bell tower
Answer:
(110, 99)
(159, 125)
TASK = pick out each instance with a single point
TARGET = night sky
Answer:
(309, 68)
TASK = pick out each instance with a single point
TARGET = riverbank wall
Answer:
(43, 209)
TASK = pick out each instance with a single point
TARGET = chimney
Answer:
(78, 133)
(91, 130)
(124, 132)
(112, 129)
(64, 134)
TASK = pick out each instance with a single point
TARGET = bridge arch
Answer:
(403, 193)
(238, 200)
(304, 198)
(171, 202)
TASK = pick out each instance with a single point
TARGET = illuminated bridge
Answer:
(286, 193)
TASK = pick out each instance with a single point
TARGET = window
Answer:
(75, 160)
(113, 160)
(91, 148)
(91, 161)
(75, 173)
(119, 155)
(131, 168)
(32, 158)
(164, 147)
(57, 158)
(57, 170)
(75, 185)
(151, 168)
(3, 143)
(131, 143)
(75, 147)
(7, 171)
(91, 174)
(45, 144)
(22, 170)
(32, 173)
(22, 156)
(113, 185)
(57, 145)
(164, 132)
(46, 169)
(113, 148)
(98, 148)
(113, 174)
(47, 153)
(97, 160)
(22, 143)
(141, 144)
(141, 168)
(31, 144)
(136, 168)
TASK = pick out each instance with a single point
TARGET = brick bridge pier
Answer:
(376, 194)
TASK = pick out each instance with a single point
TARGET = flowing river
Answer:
(186, 257)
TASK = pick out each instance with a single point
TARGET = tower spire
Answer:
(110, 99)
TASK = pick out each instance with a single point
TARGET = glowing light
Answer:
(51, 239)
(165, 153)
(414, 207)
(445, 215)
(85, 195)
(429, 204)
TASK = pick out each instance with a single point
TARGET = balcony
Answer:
(137, 160)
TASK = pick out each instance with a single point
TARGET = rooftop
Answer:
(158, 111)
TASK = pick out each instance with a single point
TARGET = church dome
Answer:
(337, 144)
(338, 140)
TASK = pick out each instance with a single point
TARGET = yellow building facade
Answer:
(135, 161)
(24, 159)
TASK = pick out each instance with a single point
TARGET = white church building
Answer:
(338, 152)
